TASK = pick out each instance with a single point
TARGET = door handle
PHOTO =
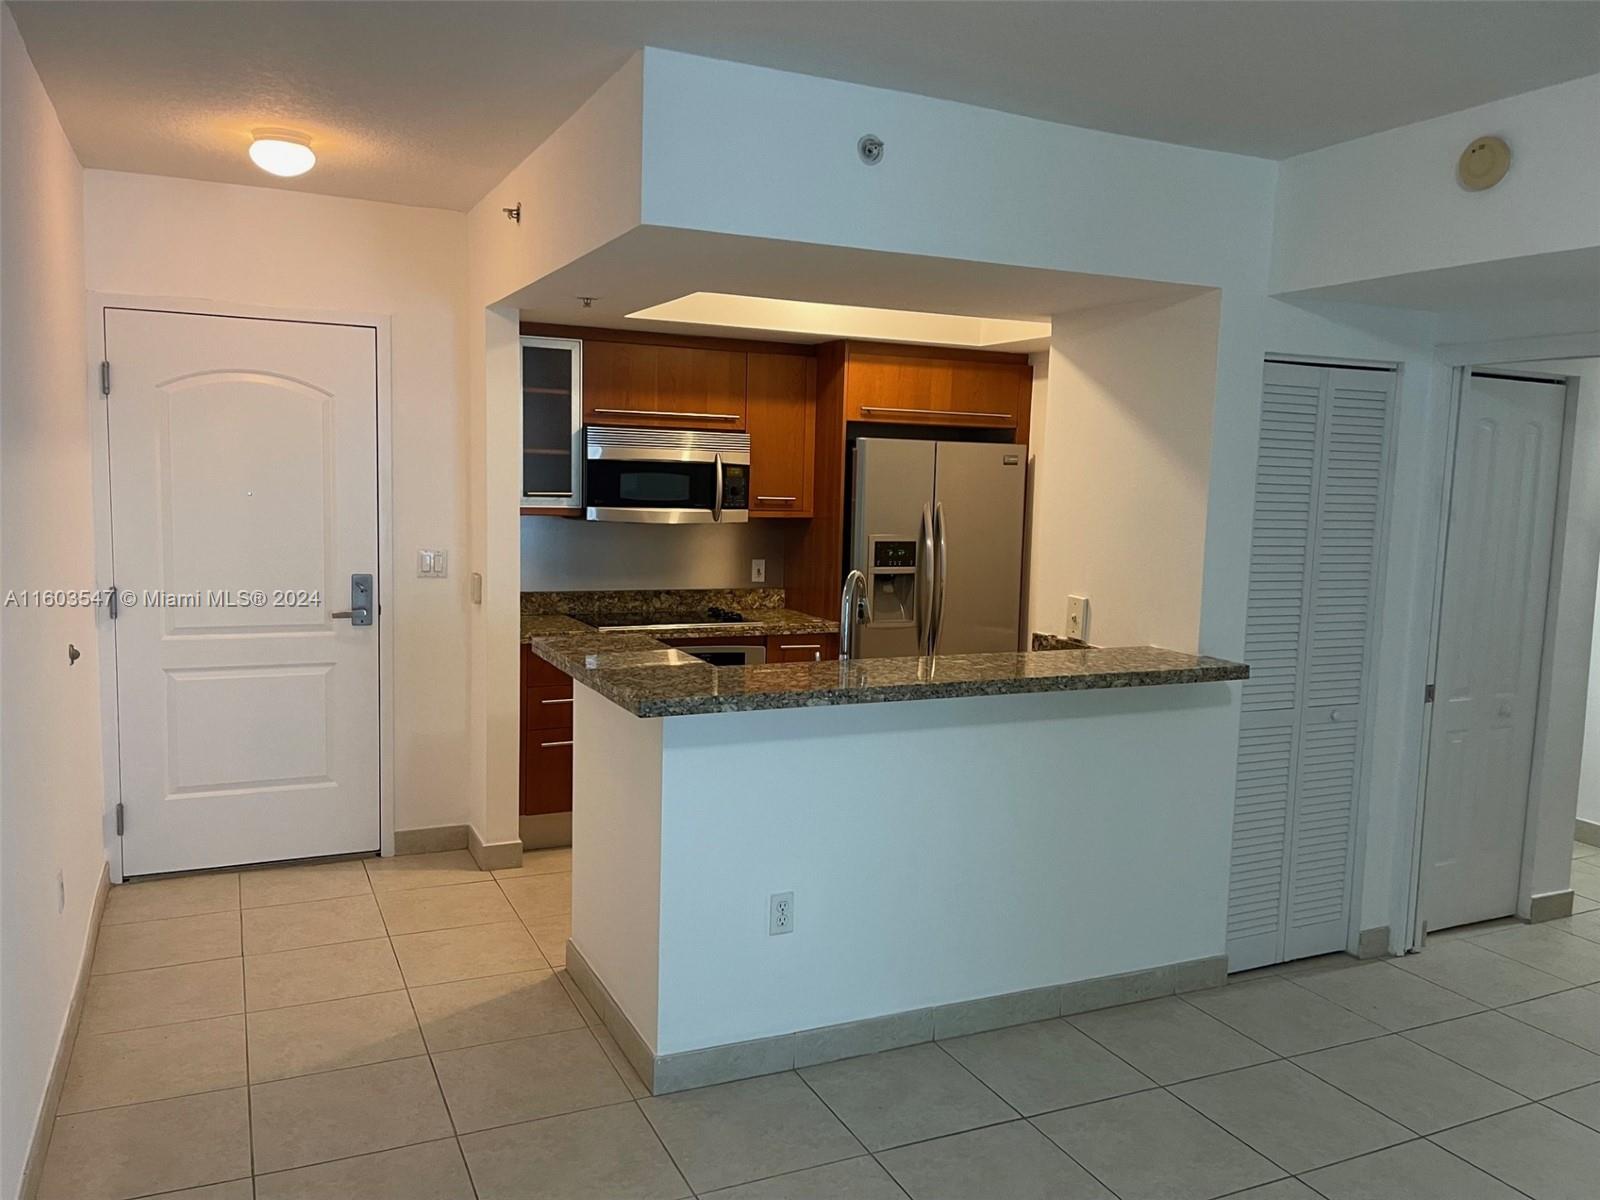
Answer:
(942, 576)
(360, 610)
(664, 412)
(940, 412)
(924, 584)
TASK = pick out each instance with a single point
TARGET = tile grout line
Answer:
(1026, 1120)
(638, 1107)
(433, 1068)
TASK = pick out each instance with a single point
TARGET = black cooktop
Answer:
(713, 615)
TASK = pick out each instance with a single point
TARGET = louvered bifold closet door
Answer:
(1280, 582)
(1312, 565)
(1350, 495)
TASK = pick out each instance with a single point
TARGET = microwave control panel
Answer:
(735, 486)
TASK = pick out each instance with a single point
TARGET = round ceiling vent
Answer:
(1483, 164)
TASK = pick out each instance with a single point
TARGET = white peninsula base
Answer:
(956, 865)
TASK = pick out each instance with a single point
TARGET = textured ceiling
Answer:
(432, 103)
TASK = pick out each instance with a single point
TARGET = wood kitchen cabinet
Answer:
(660, 386)
(905, 385)
(781, 412)
(546, 781)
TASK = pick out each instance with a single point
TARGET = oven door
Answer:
(666, 485)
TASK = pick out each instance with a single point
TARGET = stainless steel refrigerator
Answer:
(936, 527)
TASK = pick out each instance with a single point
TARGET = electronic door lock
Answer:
(360, 610)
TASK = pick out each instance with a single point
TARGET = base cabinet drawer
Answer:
(803, 647)
(546, 771)
(547, 708)
(546, 776)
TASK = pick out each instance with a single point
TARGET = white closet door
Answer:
(1497, 558)
(1313, 573)
(1280, 579)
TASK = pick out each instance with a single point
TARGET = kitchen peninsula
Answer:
(936, 845)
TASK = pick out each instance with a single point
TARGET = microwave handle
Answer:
(716, 499)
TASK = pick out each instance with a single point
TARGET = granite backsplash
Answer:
(668, 600)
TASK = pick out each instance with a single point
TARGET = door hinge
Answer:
(105, 378)
(1427, 694)
(119, 818)
(113, 605)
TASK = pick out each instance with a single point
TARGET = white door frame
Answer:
(1461, 362)
(105, 644)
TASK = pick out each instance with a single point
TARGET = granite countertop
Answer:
(649, 679)
(762, 622)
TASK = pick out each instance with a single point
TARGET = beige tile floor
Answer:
(404, 1029)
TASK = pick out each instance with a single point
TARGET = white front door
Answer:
(244, 489)
(1491, 637)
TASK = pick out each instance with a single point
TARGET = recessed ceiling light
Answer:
(282, 152)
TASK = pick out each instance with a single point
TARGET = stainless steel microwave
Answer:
(665, 476)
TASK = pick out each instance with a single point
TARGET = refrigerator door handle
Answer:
(941, 577)
(924, 581)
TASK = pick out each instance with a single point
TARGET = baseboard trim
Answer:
(1549, 906)
(493, 856)
(1587, 832)
(546, 831)
(634, 1048)
(33, 1168)
(1373, 943)
(430, 840)
(808, 1047)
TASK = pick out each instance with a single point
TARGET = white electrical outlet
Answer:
(758, 570)
(780, 913)
(1078, 617)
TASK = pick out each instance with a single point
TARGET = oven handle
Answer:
(716, 500)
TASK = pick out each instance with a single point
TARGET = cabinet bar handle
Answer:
(547, 745)
(648, 412)
(800, 645)
(778, 499)
(563, 700)
(940, 412)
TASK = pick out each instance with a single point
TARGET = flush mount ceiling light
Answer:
(281, 152)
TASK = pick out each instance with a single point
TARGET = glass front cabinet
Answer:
(552, 423)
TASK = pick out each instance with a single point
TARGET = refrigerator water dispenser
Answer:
(892, 582)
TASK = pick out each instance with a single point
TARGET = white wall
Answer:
(578, 191)
(616, 836)
(1389, 203)
(51, 798)
(153, 236)
(739, 149)
(1119, 512)
(939, 851)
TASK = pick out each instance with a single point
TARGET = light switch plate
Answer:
(758, 570)
(432, 564)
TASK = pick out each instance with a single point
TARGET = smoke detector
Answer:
(1483, 164)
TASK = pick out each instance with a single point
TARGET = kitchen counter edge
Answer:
(648, 679)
